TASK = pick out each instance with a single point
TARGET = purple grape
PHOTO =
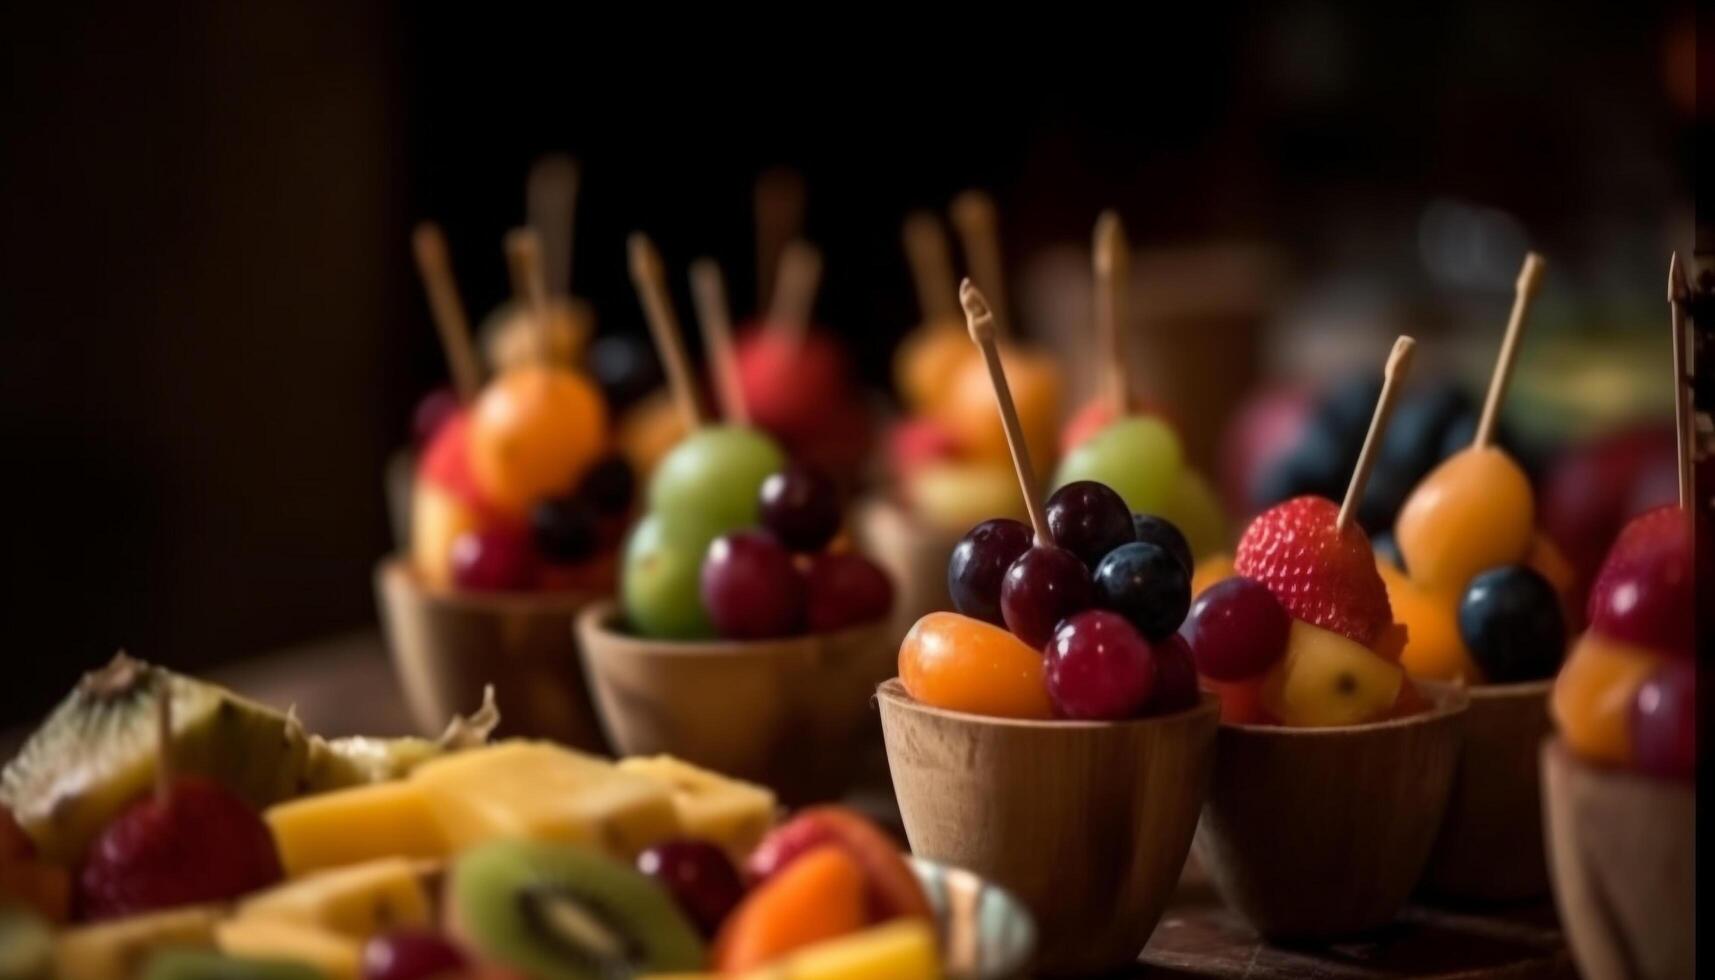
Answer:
(801, 507)
(1664, 720)
(498, 559)
(846, 590)
(1158, 530)
(1044, 586)
(699, 876)
(979, 564)
(1145, 584)
(416, 954)
(750, 587)
(1089, 519)
(1099, 668)
(1237, 629)
(1175, 677)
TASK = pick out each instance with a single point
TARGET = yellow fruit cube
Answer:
(349, 826)
(901, 950)
(337, 957)
(730, 812)
(1325, 679)
(121, 947)
(539, 791)
(358, 901)
(1592, 698)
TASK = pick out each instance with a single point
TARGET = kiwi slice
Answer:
(561, 912)
(26, 944)
(200, 964)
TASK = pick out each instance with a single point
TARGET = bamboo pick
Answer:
(779, 203)
(524, 259)
(1677, 293)
(651, 284)
(1524, 293)
(979, 318)
(550, 207)
(795, 290)
(1113, 281)
(429, 246)
(708, 291)
(931, 261)
(1398, 362)
(973, 215)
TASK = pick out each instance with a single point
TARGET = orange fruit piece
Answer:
(1473, 512)
(963, 664)
(1241, 701)
(533, 433)
(1215, 568)
(1592, 698)
(819, 896)
(1433, 648)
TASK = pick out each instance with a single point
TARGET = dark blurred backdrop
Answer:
(212, 336)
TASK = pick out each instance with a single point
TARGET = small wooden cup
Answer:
(1490, 849)
(792, 714)
(1319, 833)
(1088, 823)
(914, 555)
(447, 646)
(1622, 847)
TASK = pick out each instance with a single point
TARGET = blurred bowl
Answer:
(447, 646)
(1320, 833)
(1087, 823)
(792, 714)
(985, 932)
(1490, 848)
(1623, 850)
(914, 555)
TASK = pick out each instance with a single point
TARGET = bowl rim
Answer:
(1510, 690)
(597, 619)
(1451, 701)
(893, 690)
(560, 602)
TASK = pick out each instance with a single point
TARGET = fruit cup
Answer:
(792, 713)
(1088, 823)
(1318, 833)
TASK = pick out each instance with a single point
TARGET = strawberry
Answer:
(445, 462)
(1323, 576)
(200, 843)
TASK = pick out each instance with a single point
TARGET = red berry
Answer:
(445, 462)
(495, 559)
(1176, 687)
(846, 590)
(1099, 667)
(199, 844)
(1646, 592)
(751, 588)
(1237, 629)
(435, 410)
(415, 954)
(1664, 720)
(1322, 575)
(699, 876)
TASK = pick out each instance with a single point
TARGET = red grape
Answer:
(1176, 686)
(699, 876)
(1646, 593)
(1099, 667)
(1664, 720)
(1089, 519)
(1237, 629)
(750, 587)
(415, 954)
(801, 507)
(496, 559)
(1044, 586)
(979, 564)
(846, 590)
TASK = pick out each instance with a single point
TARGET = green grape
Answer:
(1139, 457)
(659, 578)
(1193, 508)
(713, 477)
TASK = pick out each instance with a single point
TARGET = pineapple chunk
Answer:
(901, 950)
(539, 791)
(337, 957)
(1326, 679)
(121, 947)
(358, 901)
(729, 812)
(349, 826)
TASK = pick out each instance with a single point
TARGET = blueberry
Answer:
(564, 529)
(1510, 619)
(1147, 585)
(1159, 531)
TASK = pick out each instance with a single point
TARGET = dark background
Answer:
(210, 334)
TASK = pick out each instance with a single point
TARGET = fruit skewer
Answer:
(651, 283)
(429, 246)
(1113, 287)
(708, 291)
(550, 209)
(779, 213)
(973, 216)
(1677, 294)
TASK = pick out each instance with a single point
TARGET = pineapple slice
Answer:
(357, 901)
(729, 812)
(349, 826)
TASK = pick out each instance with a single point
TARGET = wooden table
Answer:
(345, 686)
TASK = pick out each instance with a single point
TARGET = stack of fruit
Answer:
(1303, 634)
(239, 847)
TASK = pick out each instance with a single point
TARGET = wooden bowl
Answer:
(1318, 833)
(1088, 823)
(1623, 850)
(447, 646)
(914, 554)
(792, 714)
(398, 483)
(1490, 849)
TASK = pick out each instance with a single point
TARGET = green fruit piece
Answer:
(119, 948)
(97, 752)
(714, 477)
(1139, 457)
(660, 579)
(197, 964)
(561, 912)
(1195, 510)
(26, 945)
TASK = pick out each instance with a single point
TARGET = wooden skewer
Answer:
(979, 317)
(429, 246)
(1113, 281)
(931, 262)
(779, 204)
(1677, 293)
(524, 259)
(708, 291)
(795, 289)
(164, 743)
(1524, 293)
(973, 214)
(550, 207)
(1397, 363)
(651, 285)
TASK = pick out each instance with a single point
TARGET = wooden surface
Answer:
(345, 685)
